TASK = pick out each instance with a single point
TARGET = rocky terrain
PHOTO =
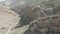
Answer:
(40, 17)
(47, 22)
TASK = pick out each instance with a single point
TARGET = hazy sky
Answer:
(2, 0)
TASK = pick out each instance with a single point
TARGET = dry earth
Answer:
(7, 19)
